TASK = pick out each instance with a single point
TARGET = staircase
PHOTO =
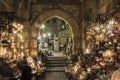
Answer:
(56, 64)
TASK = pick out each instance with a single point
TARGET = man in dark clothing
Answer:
(26, 73)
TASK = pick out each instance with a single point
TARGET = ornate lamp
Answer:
(116, 75)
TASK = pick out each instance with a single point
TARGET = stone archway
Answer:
(47, 15)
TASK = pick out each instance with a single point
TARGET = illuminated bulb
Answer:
(21, 26)
(49, 34)
(39, 37)
(44, 35)
(101, 26)
(101, 36)
(112, 34)
(111, 22)
(118, 47)
(88, 69)
(12, 37)
(43, 26)
(39, 62)
(15, 24)
(19, 29)
(14, 31)
(110, 43)
(104, 30)
(22, 47)
(97, 28)
(108, 27)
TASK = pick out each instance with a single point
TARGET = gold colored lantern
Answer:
(116, 75)
(99, 37)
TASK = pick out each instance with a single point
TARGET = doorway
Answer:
(55, 37)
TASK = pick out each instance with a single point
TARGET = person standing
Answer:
(26, 72)
(56, 43)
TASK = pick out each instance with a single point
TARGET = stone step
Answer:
(53, 58)
(55, 62)
(55, 69)
(56, 65)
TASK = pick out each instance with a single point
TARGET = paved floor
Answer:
(57, 53)
(55, 76)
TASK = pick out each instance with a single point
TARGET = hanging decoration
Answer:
(11, 37)
(104, 34)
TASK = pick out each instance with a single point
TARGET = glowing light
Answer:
(89, 69)
(22, 47)
(39, 37)
(44, 35)
(118, 47)
(43, 26)
(97, 28)
(112, 34)
(110, 43)
(108, 27)
(49, 34)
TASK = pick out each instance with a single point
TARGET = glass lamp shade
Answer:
(12, 45)
(115, 40)
(14, 51)
(74, 69)
(104, 30)
(87, 51)
(99, 37)
(108, 53)
(81, 77)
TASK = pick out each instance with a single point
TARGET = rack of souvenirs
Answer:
(101, 53)
(12, 68)
(94, 67)
(12, 49)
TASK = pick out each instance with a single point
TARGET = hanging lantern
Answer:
(116, 75)
(108, 53)
(12, 45)
(109, 32)
(104, 30)
(115, 40)
(112, 21)
(81, 77)
(89, 37)
(99, 37)
(87, 51)
(108, 27)
(14, 51)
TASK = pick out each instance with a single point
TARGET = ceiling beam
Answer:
(6, 4)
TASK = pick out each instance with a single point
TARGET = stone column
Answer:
(33, 50)
(25, 34)
(77, 44)
(83, 36)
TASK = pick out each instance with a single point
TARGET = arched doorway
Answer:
(56, 37)
(62, 15)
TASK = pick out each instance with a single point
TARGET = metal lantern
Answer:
(104, 30)
(99, 37)
(108, 53)
(116, 75)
